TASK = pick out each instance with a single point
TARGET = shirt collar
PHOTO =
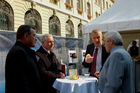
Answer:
(48, 51)
(116, 47)
(98, 47)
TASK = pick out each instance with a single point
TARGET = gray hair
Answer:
(44, 37)
(115, 37)
(97, 31)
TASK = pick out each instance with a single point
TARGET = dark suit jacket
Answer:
(50, 69)
(89, 50)
(134, 51)
(22, 74)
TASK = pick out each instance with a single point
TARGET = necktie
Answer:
(93, 67)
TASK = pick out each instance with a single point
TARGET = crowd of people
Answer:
(27, 71)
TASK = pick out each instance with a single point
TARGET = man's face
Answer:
(49, 43)
(31, 38)
(107, 44)
(96, 39)
(134, 44)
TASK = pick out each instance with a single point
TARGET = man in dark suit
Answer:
(134, 49)
(101, 54)
(50, 68)
(21, 71)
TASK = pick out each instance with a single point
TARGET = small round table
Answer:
(82, 85)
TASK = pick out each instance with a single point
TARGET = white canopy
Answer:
(123, 15)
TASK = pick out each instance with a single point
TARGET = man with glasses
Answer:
(116, 75)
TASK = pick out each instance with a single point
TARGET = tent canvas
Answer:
(123, 15)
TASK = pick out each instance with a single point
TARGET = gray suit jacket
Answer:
(117, 73)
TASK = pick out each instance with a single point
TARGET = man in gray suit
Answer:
(116, 75)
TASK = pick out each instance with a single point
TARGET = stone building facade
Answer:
(58, 17)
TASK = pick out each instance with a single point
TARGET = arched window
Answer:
(6, 16)
(69, 4)
(54, 26)
(88, 8)
(32, 17)
(80, 6)
(80, 30)
(69, 29)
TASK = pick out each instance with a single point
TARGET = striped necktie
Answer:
(93, 67)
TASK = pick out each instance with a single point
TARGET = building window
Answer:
(98, 3)
(80, 6)
(54, 1)
(106, 5)
(6, 16)
(103, 4)
(96, 14)
(32, 17)
(80, 30)
(69, 1)
(69, 29)
(69, 4)
(54, 26)
(4, 22)
(88, 8)
(89, 11)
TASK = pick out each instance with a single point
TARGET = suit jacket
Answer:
(116, 75)
(50, 69)
(89, 50)
(134, 51)
(21, 71)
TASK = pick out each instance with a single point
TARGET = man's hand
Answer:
(62, 75)
(96, 74)
(89, 60)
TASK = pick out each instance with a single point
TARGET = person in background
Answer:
(134, 50)
(50, 68)
(96, 50)
(21, 71)
(117, 74)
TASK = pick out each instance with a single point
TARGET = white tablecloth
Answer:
(82, 85)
